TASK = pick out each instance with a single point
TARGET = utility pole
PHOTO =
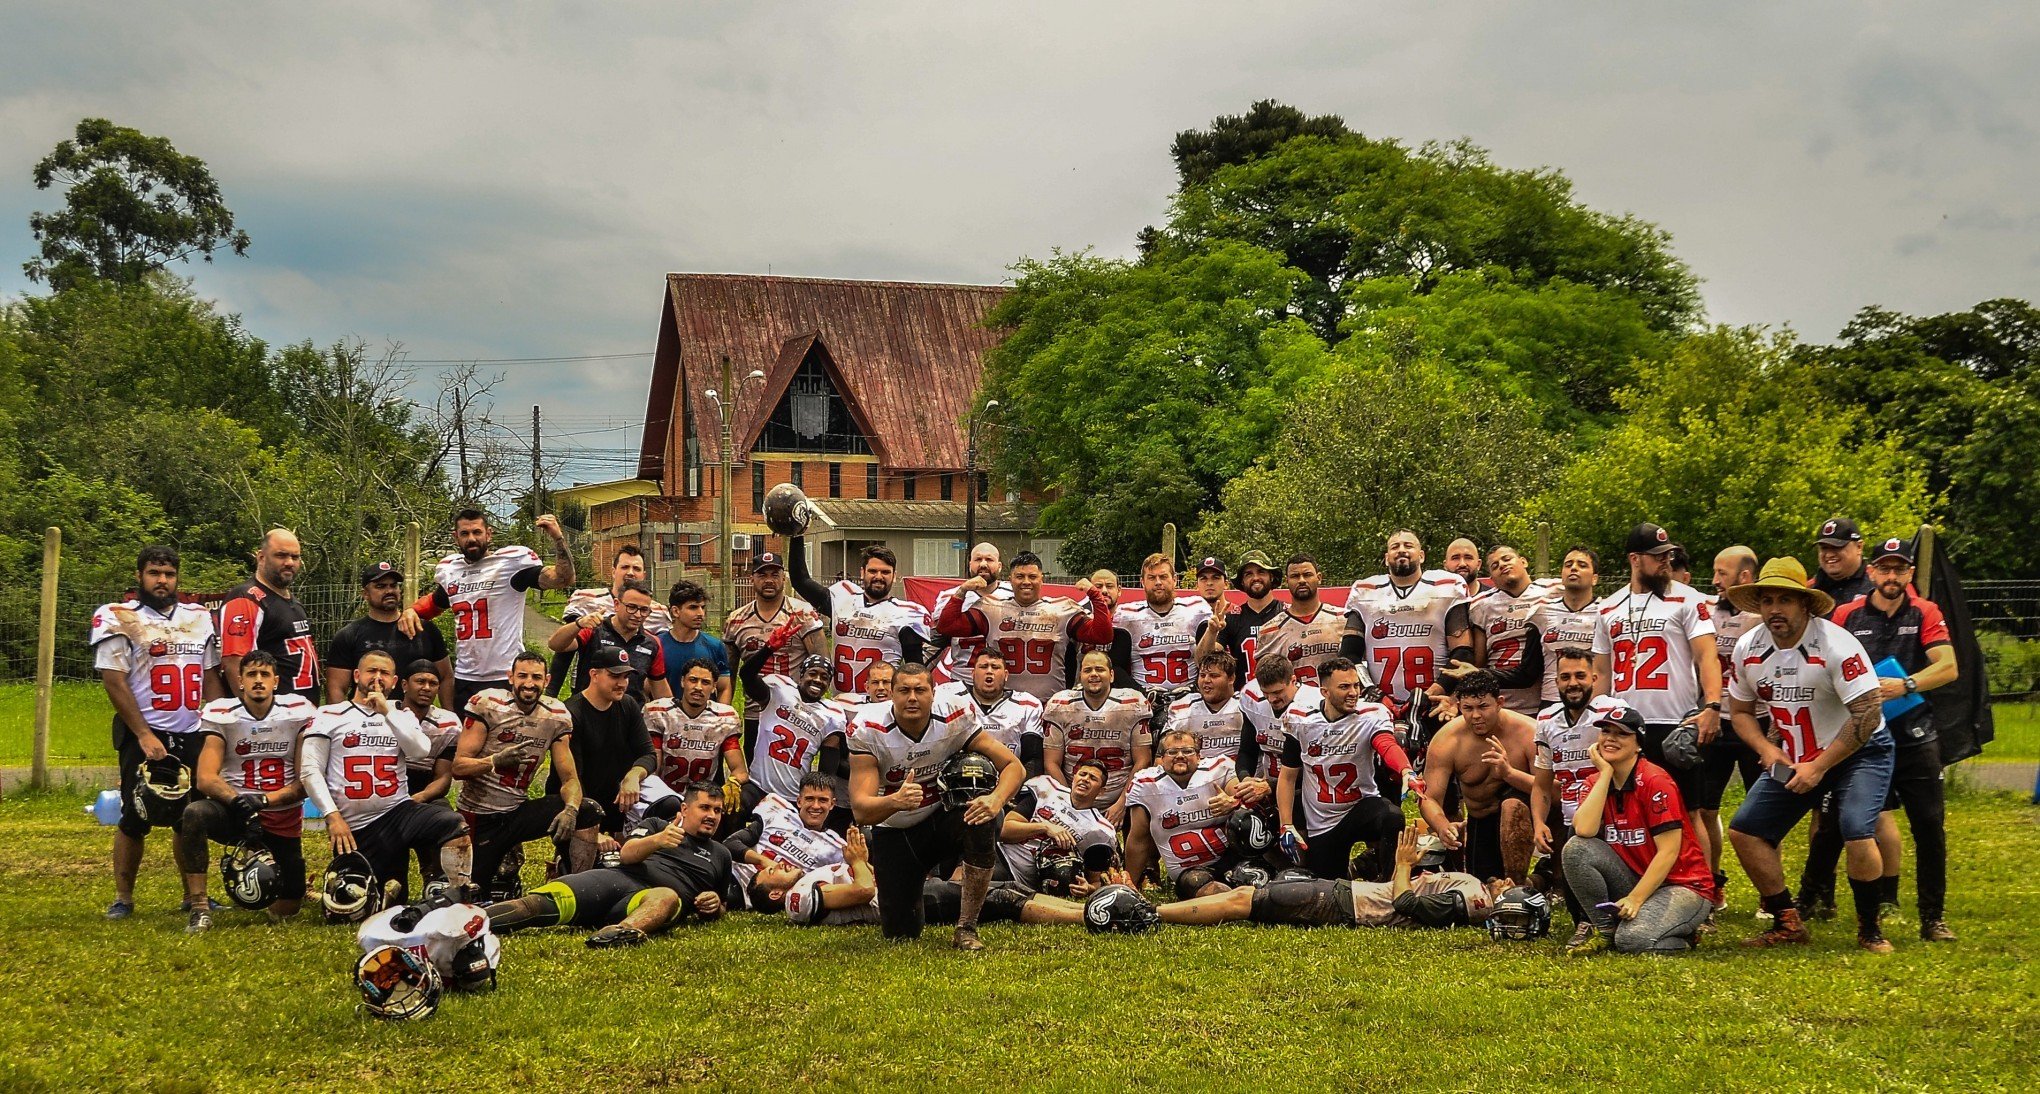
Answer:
(722, 494)
(535, 506)
(460, 442)
(970, 485)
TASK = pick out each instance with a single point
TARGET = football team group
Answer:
(1248, 745)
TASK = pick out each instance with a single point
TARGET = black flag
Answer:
(1962, 714)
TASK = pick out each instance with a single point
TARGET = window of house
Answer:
(835, 480)
(871, 481)
(907, 487)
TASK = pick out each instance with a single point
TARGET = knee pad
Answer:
(1002, 904)
(1299, 903)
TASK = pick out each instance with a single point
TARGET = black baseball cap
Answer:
(376, 571)
(1648, 539)
(1624, 718)
(1893, 547)
(1839, 532)
(766, 560)
(1212, 564)
(605, 656)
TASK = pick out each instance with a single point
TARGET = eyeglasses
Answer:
(1179, 752)
(635, 609)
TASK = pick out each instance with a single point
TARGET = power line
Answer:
(419, 361)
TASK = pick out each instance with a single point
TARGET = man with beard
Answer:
(1238, 631)
(1508, 621)
(1031, 632)
(1842, 574)
(509, 735)
(629, 565)
(870, 624)
(1177, 810)
(1162, 629)
(957, 652)
(1307, 633)
(1013, 718)
(1570, 615)
(1268, 698)
(612, 750)
(1098, 721)
(263, 615)
(1487, 753)
(156, 658)
(1406, 624)
(1121, 652)
(691, 733)
(382, 590)
(1565, 731)
(1329, 753)
(1213, 713)
(484, 587)
(1654, 650)
(1462, 557)
(624, 629)
(770, 609)
(794, 721)
(1728, 755)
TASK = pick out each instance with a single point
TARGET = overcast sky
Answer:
(511, 180)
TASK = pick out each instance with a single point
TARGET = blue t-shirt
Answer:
(705, 647)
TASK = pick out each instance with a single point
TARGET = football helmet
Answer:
(965, 777)
(508, 884)
(162, 790)
(249, 871)
(350, 893)
(397, 984)
(1056, 871)
(1248, 875)
(786, 510)
(1120, 909)
(474, 968)
(1249, 832)
(1520, 915)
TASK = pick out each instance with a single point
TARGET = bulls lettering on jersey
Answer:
(1807, 688)
(1218, 730)
(1729, 627)
(954, 664)
(790, 733)
(1044, 801)
(1564, 628)
(164, 655)
(261, 753)
(256, 617)
(1404, 628)
(1033, 639)
(1108, 732)
(1648, 640)
(1181, 820)
(1511, 622)
(1562, 744)
(686, 746)
(487, 601)
(1267, 725)
(1307, 640)
(504, 724)
(1163, 643)
(952, 725)
(785, 840)
(867, 633)
(1337, 757)
(365, 758)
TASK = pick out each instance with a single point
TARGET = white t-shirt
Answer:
(1808, 687)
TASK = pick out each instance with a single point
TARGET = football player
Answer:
(1161, 630)
(508, 736)
(1307, 634)
(382, 593)
(430, 778)
(1013, 718)
(954, 656)
(358, 749)
(1565, 731)
(155, 657)
(689, 734)
(1032, 633)
(1048, 818)
(846, 894)
(628, 566)
(1406, 624)
(795, 835)
(1486, 753)
(898, 756)
(1329, 752)
(1437, 899)
(1508, 619)
(1271, 694)
(1238, 632)
(623, 628)
(1569, 617)
(1098, 720)
(484, 587)
(768, 610)
(1213, 713)
(262, 614)
(1177, 809)
(247, 776)
(869, 623)
(795, 722)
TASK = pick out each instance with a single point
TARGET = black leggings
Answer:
(902, 857)
(1372, 820)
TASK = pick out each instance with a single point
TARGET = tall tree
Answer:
(1238, 138)
(132, 204)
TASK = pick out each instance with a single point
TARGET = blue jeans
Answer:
(1859, 787)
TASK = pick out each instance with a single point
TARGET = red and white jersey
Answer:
(1164, 643)
(365, 754)
(790, 733)
(1032, 640)
(1337, 757)
(1180, 817)
(1729, 627)
(594, 605)
(1218, 731)
(442, 728)
(868, 633)
(1564, 628)
(785, 840)
(1052, 804)
(437, 937)
(803, 903)
(487, 600)
(1808, 688)
(1648, 640)
(746, 631)
(504, 724)
(1010, 716)
(1307, 640)
(165, 656)
(1404, 628)
(954, 664)
(1562, 745)
(1511, 622)
(261, 752)
(1108, 732)
(687, 746)
(1267, 726)
(952, 725)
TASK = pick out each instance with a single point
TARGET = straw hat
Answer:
(1780, 573)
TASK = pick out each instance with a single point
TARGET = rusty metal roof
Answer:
(906, 357)
(913, 516)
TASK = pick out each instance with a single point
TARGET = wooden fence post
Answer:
(46, 657)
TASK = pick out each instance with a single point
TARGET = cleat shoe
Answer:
(1594, 943)
(1789, 930)
(198, 919)
(1936, 930)
(614, 935)
(966, 939)
(1820, 907)
(1874, 943)
(1580, 933)
(120, 909)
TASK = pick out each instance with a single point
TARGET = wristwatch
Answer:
(1912, 686)
(1715, 707)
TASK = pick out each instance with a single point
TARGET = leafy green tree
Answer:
(132, 204)
(1238, 138)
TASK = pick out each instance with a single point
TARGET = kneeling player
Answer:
(1487, 753)
(1433, 900)
(253, 797)
(507, 738)
(1178, 809)
(669, 871)
(1329, 753)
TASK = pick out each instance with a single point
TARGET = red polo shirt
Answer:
(1638, 811)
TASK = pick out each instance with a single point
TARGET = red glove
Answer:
(782, 634)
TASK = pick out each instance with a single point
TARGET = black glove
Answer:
(248, 810)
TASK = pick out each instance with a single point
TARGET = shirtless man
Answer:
(1487, 751)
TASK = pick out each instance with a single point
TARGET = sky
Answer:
(510, 181)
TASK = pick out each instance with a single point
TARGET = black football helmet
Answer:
(1248, 875)
(472, 970)
(1520, 915)
(350, 893)
(162, 790)
(249, 872)
(1055, 871)
(508, 884)
(1681, 747)
(397, 984)
(786, 510)
(967, 776)
(1249, 832)
(1120, 909)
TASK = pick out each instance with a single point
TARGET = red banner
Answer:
(924, 590)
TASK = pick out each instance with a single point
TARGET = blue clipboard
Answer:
(1890, 669)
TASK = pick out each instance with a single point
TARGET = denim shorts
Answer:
(1858, 786)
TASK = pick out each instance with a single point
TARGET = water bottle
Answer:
(106, 807)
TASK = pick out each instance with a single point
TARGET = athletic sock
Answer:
(1866, 894)
(1889, 882)
(1778, 901)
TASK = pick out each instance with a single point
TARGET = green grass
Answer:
(80, 720)
(2018, 732)
(752, 1003)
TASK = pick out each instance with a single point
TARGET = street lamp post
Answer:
(725, 556)
(970, 485)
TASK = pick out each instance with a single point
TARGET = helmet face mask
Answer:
(397, 984)
(1056, 871)
(966, 777)
(350, 893)
(162, 790)
(249, 873)
(1520, 915)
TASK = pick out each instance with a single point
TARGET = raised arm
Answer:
(810, 590)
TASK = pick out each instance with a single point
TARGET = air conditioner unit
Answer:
(740, 541)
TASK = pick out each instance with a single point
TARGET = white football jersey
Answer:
(442, 728)
(1108, 732)
(1808, 688)
(1337, 757)
(365, 754)
(783, 838)
(165, 656)
(261, 752)
(1218, 731)
(487, 600)
(1267, 723)
(803, 903)
(952, 725)
(1564, 628)
(1648, 640)
(954, 664)
(1729, 627)
(1164, 643)
(442, 933)
(1010, 717)
(1180, 818)
(1511, 623)
(1309, 641)
(867, 633)
(790, 733)
(1562, 745)
(1052, 804)
(685, 747)
(595, 604)
(1404, 628)
(1034, 640)
(505, 724)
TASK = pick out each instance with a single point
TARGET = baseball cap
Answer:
(376, 571)
(1625, 718)
(1211, 564)
(1648, 539)
(604, 656)
(1257, 558)
(1839, 532)
(766, 560)
(1893, 547)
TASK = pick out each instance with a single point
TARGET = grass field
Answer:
(752, 1002)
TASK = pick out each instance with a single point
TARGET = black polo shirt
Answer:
(647, 655)
(1847, 589)
(696, 866)
(1904, 636)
